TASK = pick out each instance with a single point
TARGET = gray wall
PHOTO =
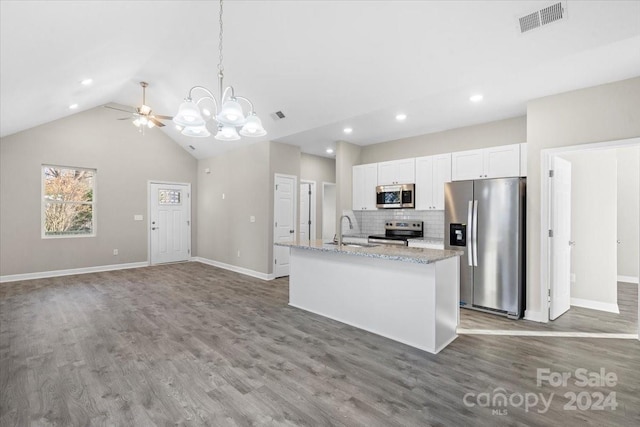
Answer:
(224, 227)
(596, 114)
(246, 178)
(125, 161)
(318, 169)
(628, 211)
(502, 132)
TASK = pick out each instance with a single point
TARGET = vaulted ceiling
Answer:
(326, 65)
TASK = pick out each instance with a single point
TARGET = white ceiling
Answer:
(325, 64)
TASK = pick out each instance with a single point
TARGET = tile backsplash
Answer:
(372, 222)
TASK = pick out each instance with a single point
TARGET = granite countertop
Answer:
(397, 253)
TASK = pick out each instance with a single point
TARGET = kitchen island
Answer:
(410, 295)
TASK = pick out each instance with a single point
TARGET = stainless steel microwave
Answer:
(395, 196)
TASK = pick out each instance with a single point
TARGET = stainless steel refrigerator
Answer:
(486, 220)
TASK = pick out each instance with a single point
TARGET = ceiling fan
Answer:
(143, 115)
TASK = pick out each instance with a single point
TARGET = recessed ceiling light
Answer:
(476, 98)
(86, 82)
(330, 150)
(401, 117)
(348, 130)
(73, 106)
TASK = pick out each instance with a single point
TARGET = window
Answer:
(68, 201)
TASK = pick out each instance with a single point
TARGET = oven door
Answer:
(389, 196)
(382, 241)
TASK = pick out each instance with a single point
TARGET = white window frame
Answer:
(43, 204)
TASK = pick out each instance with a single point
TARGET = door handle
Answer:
(475, 233)
(469, 228)
(291, 231)
(155, 228)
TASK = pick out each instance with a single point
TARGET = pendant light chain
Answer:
(220, 66)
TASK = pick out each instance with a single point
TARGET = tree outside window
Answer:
(68, 201)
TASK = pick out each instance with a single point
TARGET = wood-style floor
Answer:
(190, 345)
(577, 319)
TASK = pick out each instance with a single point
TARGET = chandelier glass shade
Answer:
(228, 114)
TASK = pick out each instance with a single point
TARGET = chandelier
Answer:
(194, 113)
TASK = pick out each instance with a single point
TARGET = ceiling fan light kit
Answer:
(143, 116)
(228, 113)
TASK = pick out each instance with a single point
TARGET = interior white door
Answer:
(170, 222)
(284, 221)
(560, 244)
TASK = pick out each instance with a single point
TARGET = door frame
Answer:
(546, 162)
(154, 181)
(312, 206)
(295, 214)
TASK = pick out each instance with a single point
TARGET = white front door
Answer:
(169, 222)
(307, 230)
(284, 221)
(560, 244)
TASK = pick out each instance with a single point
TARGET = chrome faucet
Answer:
(340, 228)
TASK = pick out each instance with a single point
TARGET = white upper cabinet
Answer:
(365, 179)
(397, 172)
(431, 174)
(493, 162)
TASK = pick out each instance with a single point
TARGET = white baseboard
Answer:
(628, 279)
(235, 268)
(595, 305)
(535, 316)
(70, 272)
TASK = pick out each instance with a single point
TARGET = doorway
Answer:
(169, 222)
(284, 214)
(307, 211)
(328, 210)
(607, 245)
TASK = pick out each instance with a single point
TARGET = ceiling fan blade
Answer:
(118, 109)
(156, 122)
(160, 116)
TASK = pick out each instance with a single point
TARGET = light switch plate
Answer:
(138, 217)
(252, 218)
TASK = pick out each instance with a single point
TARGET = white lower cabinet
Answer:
(365, 179)
(431, 174)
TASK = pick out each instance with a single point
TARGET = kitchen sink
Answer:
(353, 245)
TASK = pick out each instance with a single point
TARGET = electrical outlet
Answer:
(573, 277)
(115, 252)
(252, 218)
(222, 196)
(238, 253)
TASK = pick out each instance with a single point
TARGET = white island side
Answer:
(410, 295)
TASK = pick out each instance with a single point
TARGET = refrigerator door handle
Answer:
(470, 239)
(474, 231)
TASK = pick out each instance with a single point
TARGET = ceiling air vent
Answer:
(541, 17)
(278, 115)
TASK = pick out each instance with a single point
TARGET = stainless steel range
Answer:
(398, 232)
